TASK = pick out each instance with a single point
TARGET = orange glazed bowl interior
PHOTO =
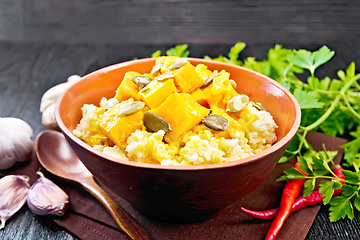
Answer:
(179, 193)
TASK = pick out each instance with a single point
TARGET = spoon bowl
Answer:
(56, 156)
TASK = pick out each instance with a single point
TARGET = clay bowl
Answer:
(172, 193)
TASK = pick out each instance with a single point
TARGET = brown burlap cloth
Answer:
(87, 219)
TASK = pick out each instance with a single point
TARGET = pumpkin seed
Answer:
(131, 108)
(216, 122)
(237, 103)
(156, 68)
(178, 63)
(154, 122)
(209, 79)
(233, 84)
(149, 86)
(164, 76)
(141, 81)
(259, 106)
(110, 103)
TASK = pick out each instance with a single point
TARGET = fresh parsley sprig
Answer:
(316, 165)
(330, 106)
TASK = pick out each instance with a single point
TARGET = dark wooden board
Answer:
(44, 42)
(180, 21)
(27, 70)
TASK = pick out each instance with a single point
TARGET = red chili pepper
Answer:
(266, 215)
(289, 194)
(338, 172)
(313, 199)
(300, 203)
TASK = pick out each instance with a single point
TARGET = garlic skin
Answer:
(45, 197)
(48, 117)
(48, 100)
(13, 192)
(15, 141)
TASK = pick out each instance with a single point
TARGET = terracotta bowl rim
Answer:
(275, 147)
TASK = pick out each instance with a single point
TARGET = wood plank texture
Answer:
(180, 21)
(27, 70)
(43, 42)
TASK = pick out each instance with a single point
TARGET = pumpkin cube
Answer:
(156, 92)
(220, 91)
(127, 88)
(203, 71)
(186, 77)
(167, 62)
(182, 112)
(118, 128)
(199, 96)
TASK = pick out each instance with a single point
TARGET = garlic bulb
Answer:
(48, 100)
(15, 141)
(13, 192)
(45, 197)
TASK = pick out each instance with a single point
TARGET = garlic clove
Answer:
(45, 197)
(7, 154)
(48, 117)
(53, 93)
(48, 100)
(13, 192)
(73, 78)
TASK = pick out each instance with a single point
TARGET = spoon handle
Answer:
(125, 221)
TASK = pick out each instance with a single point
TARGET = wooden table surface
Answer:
(27, 70)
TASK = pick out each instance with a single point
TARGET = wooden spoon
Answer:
(56, 156)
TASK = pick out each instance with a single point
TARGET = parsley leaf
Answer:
(235, 52)
(340, 207)
(307, 99)
(309, 186)
(357, 202)
(336, 123)
(179, 50)
(350, 73)
(320, 167)
(311, 60)
(156, 54)
(352, 177)
(305, 165)
(291, 173)
(233, 55)
(263, 67)
(283, 159)
(348, 190)
(352, 149)
(326, 188)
